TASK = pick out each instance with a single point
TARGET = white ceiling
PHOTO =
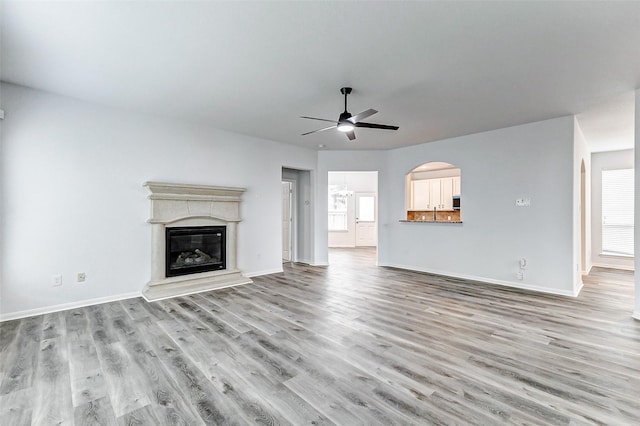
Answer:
(436, 69)
(609, 126)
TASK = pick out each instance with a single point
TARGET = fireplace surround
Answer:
(195, 215)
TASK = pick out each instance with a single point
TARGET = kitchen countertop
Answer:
(430, 221)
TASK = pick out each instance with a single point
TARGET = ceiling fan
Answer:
(347, 122)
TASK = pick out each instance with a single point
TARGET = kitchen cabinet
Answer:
(419, 194)
(446, 193)
(435, 194)
(456, 185)
(429, 193)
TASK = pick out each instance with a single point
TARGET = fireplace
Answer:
(194, 239)
(195, 249)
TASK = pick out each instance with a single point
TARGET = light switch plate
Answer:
(56, 280)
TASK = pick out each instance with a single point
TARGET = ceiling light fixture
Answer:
(346, 123)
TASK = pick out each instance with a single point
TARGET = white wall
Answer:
(582, 156)
(2, 202)
(636, 219)
(605, 161)
(355, 181)
(73, 200)
(533, 160)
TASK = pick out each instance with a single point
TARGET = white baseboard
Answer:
(67, 306)
(512, 284)
(579, 289)
(609, 266)
(311, 263)
(265, 272)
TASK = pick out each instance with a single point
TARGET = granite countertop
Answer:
(430, 221)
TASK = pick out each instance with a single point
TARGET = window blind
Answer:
(617, 212)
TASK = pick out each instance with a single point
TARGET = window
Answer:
(366, 208)
(338, 199)
(617, 212)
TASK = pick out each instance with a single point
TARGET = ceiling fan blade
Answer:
(361, 116)
(320, 119)
(351, 135)
(319, 130)
(376, 126)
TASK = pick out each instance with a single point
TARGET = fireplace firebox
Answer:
(195, 249)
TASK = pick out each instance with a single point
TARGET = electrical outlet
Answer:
(520, 275)
(56, 280)
(81, 277)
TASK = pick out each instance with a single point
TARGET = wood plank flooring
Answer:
(348, 344)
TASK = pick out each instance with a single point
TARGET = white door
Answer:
(366, 220)
(286, 221)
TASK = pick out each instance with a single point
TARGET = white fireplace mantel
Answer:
(179, 205)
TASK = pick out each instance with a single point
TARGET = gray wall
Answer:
(534, 160)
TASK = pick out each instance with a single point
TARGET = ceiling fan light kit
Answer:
(345, 127)
(346, 122)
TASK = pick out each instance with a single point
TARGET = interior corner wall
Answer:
(609, 160)
(581, 155)
(73, 200)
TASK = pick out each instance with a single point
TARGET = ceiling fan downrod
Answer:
(345, 91)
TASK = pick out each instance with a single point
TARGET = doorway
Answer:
(297, 232)
(287, 220)
(352, 209)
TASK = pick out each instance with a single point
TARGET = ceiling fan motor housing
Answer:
(344, 116)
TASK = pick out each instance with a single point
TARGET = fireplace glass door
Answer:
(190, 250)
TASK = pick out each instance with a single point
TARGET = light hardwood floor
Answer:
(348, 344)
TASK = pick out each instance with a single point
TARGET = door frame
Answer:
(293, 228)
(357, 189)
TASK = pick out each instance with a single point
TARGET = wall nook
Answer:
(432, 193)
